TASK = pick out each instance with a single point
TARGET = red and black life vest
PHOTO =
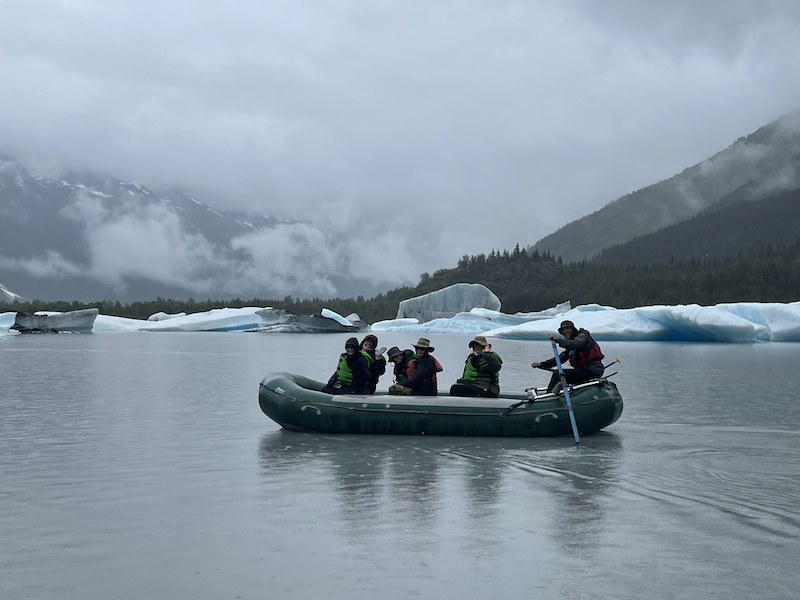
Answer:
(580, 359)
(412, 368)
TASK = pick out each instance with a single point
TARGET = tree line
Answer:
(530, 281)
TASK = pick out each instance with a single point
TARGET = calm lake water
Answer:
(140, 466)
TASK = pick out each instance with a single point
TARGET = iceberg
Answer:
(276, 320)
(218, 319)
(448, 302)
(477, 320)
(75, 321)
(731, 322)
(162, 316)
(781, 322)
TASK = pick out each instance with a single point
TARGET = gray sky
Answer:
(429, 128)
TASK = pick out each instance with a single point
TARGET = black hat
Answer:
(565, 324)
(394, 351)
(351, 342)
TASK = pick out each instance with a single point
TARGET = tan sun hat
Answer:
(479, 341)
(425, 344)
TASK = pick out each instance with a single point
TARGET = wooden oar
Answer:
(566, 394)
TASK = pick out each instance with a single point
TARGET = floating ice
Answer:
(275, 320)
(734, 322)
(162, 316)
(329, 314)
(448, 302)
(737, 322)
(218, 319)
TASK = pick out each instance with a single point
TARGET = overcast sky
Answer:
(449, 127)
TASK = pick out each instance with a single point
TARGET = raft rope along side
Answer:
(280, 391)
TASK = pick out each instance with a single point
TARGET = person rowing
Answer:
(581, 350)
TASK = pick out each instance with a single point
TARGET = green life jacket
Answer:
(366, 355)
(343, 372)
(401, 370)
(471, 374)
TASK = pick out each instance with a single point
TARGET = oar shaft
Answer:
(566, 394)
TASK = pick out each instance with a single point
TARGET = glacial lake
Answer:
(139, 466)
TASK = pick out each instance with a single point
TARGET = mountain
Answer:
(89, 236)
(726, 228)
(752, 168)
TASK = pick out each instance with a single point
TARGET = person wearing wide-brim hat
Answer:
(421, 372)
(401, 360)
(581, 350)
(481, 371)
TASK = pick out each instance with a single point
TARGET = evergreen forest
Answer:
(527, 282)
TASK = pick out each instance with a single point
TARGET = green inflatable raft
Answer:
(297, 404)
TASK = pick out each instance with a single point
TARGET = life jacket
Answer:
(343, 372)
(580, 359)
(369, 357)
(401, 370)
(471, 374)
(412, 368)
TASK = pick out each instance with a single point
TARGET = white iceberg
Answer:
(734, 322)
(162, 316)
(448, 302)
(781, 322)
(730, 322)
(329, 314)
(218, 319)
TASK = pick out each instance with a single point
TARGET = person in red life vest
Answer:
(481, 372)
(375, 360)
(582, 352)
(352, 375)
(421, 373)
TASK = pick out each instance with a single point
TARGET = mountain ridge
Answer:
(766, 160)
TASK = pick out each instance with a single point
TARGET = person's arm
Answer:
(493, 364)
(362, 366)
(545, 364)
(379, 367)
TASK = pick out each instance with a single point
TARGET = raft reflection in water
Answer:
(407, 488)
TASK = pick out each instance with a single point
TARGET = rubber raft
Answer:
(297, 404)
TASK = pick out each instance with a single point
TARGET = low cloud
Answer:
(437, 128)
(51, 265)
(148, 241)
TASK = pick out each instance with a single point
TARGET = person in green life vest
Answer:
(375, 360)
(481, 372)
(401, 360)
(352, 375)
